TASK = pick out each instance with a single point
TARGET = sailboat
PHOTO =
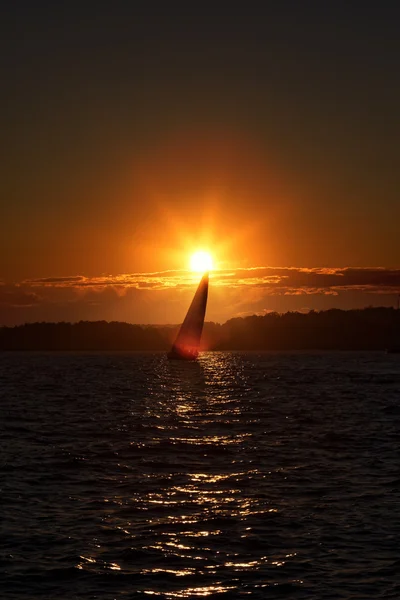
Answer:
(187, 343)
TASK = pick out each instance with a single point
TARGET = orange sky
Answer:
(132, 143)
(223, 190)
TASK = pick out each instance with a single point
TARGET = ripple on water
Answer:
(261, 475)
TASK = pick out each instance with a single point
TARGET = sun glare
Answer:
(201, 262)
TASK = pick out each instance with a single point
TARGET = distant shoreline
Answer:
(211, 351)
(375, 329)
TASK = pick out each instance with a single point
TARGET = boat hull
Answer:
(176, 354)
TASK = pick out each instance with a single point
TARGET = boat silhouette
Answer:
(187, 343)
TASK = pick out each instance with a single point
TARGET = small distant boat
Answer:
(187, 343)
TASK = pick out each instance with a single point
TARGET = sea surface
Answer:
(244, 475)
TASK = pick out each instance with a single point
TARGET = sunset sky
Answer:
(133, 136)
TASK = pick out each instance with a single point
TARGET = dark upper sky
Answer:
(95, 94)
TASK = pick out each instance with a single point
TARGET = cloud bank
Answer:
(162, 297)
(284, 279)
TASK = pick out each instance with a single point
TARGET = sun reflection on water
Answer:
(193, 592)
(191, 506)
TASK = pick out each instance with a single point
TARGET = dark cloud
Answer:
(144, 280)
(314, 280)
(14, 296)
(163, 297)
(275, 278)
(54, 280)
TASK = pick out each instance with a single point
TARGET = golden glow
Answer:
(201, 262)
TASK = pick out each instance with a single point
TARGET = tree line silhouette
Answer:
(334, 329)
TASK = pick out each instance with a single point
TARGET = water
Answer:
(244, 475)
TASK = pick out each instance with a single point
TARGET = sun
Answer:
(201, 262)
